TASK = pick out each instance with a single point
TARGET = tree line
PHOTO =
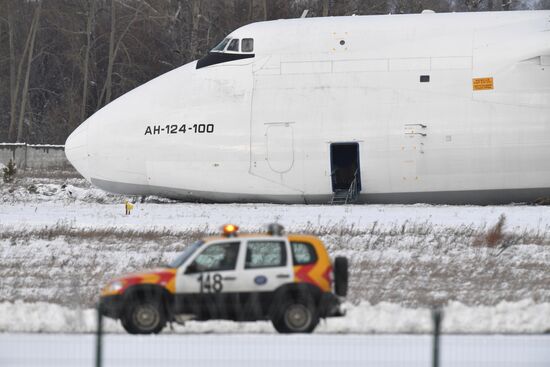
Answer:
(62, 60)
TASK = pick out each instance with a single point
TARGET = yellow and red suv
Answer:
(288, 279)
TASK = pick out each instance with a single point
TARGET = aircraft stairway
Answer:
(348, 196)
(339, 197)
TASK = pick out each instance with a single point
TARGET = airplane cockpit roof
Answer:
(341, 35)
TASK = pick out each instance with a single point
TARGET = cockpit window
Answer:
(228, 50)
(233, 45)
(221, 46)
(247, 45)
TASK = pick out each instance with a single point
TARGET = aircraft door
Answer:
(280, 147)
(273, 150)
(344, 166)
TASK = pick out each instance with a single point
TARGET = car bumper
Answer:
(111, 306)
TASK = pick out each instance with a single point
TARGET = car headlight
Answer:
(114, 286)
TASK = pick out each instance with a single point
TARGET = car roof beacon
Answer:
(230, 230)
(275, 229)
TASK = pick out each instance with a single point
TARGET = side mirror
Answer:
(192, 268)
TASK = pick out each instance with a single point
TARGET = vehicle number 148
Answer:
(210, 284)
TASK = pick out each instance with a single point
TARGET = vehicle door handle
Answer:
(283, 276)
(229, 278)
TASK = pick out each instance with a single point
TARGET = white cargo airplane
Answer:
(437, 108)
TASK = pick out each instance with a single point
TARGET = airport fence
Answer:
(35, 156)
(269, 349)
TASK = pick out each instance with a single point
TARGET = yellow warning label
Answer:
(482, 83)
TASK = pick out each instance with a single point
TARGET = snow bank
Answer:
(524, 316)
(506, 317)
(49, 318)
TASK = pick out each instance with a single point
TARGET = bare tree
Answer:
(15, 127)
(114, 48)
(250, 9)
(89, 27)
(264, 9)
(14, 85)
(25, 92)
(326, 8)
(195, 12)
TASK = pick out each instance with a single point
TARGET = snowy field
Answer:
(60, 240)
(523, 317)
(242, 350)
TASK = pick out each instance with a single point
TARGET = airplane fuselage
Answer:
(438, 108)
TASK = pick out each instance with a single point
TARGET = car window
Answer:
(247, 45)
(303, 253)
(265, 254)
(233, 45)
(220, 256)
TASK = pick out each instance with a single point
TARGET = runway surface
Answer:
(240, 350)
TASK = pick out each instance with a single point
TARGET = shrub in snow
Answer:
(494, 236)
(9, 172)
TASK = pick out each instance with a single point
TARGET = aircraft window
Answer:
(233, 45)
(247, 45)
(221, 46)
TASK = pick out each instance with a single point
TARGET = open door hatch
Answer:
(344, 165)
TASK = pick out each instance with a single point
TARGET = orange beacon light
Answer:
(230, 230)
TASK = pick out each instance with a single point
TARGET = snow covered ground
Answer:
(84, 207)
(364, 318)
(410, 255)
(242, 350)
(60, 240)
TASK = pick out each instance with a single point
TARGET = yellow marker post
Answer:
(128, 206)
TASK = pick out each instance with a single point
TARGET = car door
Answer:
(267, 265)
(206, 284)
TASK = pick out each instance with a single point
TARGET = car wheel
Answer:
(144, 317)
(296, 315)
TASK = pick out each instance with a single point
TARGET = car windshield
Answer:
(185, 254)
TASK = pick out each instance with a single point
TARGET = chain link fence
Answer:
(266, 350)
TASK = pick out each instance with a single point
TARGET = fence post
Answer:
(437, 317)
(26, 154)
(99, 338)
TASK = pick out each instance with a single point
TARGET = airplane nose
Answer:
(76, 150)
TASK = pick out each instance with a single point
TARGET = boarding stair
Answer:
(349, 196)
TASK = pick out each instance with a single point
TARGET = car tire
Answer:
(296, 314)
(144, 317)
(341, 276)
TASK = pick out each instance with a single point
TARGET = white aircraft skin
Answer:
(261, 128)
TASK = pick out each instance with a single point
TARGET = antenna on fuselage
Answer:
(304, 13)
